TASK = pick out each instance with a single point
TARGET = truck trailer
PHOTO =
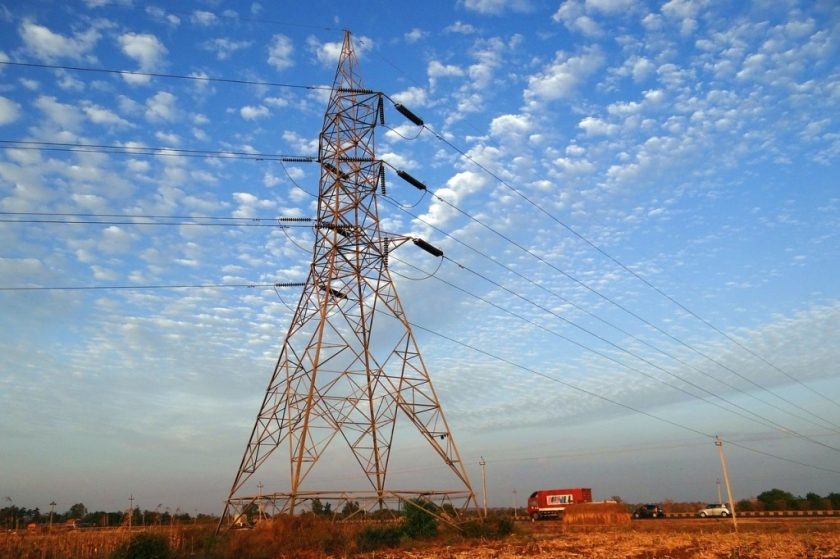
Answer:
(544, 503)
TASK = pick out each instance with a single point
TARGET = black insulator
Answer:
(342, 230)
(382, 179)
(385, 253)
(409, 115)
(411, 180)
(334, 171)
(381, 111)
(353, 90)
(334, 292)
(433, 250)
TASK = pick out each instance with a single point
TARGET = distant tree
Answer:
(834, 499)
(815, 502)
(350, 508)
(777, 499)
(745, 505)
(77, 511)
(317, 507)
(93, 518)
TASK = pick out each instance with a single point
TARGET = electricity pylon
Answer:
(350, 366)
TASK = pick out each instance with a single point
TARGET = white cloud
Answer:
(224, 47)
(684, 11)
(415, 35)
(144, 48)
(328, 53)
(162, 15)
(563, 75)
(496, 7)
(436, 69)
(168, 138)
(201, 17)
(510, 125)
(573, 15)
(161, 107)
(460, 27)
(61, 114)
(280, 52)
(102, 115)
(47, 45)
(114, 240)
(9, 111)
(411, 97)
(248, 204)
(250, 112)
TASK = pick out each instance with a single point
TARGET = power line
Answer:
(615, 402)
(132, 219)
(162, 75)
(588, 287)
(753, 416)
(145, 287)
(419, 122)
(153, 151)
(832, 425)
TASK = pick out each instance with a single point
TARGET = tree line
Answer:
(13, 517)
(778, 499)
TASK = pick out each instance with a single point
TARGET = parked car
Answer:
(714, 509)
(649, 511)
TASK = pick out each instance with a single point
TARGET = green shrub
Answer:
(490, 528)
(420, 521)
(143, 546)
(378, 537)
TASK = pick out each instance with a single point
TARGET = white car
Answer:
(714, 509)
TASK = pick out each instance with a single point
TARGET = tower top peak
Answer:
(346, 73)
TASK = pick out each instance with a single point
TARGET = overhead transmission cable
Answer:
(747, 414)
(163, 75)
(604, 321)
(612, 401)
(153, 151)
(131, 219)
(608, 323)
(419, 122)
(417, 184)
(150, 286)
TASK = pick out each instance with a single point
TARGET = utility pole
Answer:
(719, 497)
(719, 445)
(52, 508)
(482, 463)
(130, 510)
(514, 504)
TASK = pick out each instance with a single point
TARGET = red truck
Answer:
(552, 502)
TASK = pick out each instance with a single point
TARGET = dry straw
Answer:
(596, 513)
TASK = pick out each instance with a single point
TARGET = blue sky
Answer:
(638, 204)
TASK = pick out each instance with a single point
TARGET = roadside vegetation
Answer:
(423, 530)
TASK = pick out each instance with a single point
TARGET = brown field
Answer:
(790, 538)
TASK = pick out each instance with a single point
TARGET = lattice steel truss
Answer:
(349, 365)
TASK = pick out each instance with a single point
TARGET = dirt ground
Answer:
(656, 539)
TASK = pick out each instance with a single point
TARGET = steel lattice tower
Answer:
(350, 365)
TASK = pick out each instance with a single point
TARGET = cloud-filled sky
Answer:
(638, 205)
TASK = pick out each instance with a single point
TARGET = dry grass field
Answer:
(656, 539)
(790, 538)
